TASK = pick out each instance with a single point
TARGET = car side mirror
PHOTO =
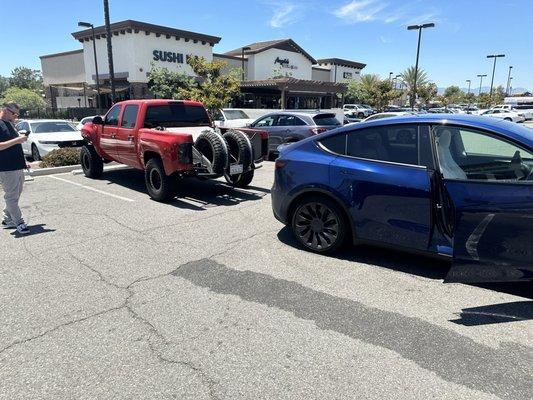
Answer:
(249, 125)
(24, 132)
(98, 120)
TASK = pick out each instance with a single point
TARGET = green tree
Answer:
(214, 89)
(26, 78)
(166, 84)
(372, 90)
(27, 99)
(408, 77)
(498, 94)
(453, 95)
(427, 92)
(4, 84)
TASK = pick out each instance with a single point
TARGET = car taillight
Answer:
(316, 131)
(280, 163)
(185, 153)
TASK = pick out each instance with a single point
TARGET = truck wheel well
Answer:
(148, 155)
(300, 197)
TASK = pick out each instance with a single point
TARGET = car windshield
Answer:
(51, 126)
(176, 115)
(326, 120)
(235, 114)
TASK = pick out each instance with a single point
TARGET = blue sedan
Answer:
(454, 186)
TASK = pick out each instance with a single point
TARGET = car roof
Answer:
(43, 120)
(508, 129)
(311, 114)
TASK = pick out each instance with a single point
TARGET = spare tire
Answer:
(239, 149)
(213, 147)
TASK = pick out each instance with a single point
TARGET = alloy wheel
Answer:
(317, 226)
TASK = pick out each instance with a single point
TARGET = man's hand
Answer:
(21, 139)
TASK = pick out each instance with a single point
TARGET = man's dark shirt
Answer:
(11, 159)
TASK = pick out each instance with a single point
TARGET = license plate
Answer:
(235, 169)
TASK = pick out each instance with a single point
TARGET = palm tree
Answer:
(408, 77)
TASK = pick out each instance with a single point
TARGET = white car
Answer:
(504, 114)
(84, 121)
(232, 118)
(388, 115)
(356, 110)
(46, 135)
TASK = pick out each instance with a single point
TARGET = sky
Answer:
(369, 31)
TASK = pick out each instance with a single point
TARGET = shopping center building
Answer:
(277, 73)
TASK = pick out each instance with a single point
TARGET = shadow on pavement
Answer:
(194, 194)
(34, 230)
(496, 314)
(419, 265)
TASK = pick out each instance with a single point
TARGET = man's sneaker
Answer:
(8, 225)
(23, 229)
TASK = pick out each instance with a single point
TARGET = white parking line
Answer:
(91, 188)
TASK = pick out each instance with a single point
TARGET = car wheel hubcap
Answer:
(155, 180)
(317, 226)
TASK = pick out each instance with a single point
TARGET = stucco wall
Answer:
(63, 69)
(133, 53)
(262, 65)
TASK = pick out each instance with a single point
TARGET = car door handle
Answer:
(130, 138)
(112, 136)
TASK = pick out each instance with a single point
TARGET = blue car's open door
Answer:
(492, 232)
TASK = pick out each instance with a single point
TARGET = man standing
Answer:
(12, 164)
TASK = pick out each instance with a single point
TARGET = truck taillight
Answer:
(316, 131)
(185, 153)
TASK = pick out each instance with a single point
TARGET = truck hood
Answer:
(195, 131)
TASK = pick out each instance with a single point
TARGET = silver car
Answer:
(292, 126)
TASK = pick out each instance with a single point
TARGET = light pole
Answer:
(390, 76)
(509, 81)
(510, 87)
(109, 50)
(242, 59)
(469, 83)
(410, 28)
(88, 25)
(480, 82)
(495, 56)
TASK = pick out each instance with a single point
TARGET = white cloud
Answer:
(359, 11)
(284, 15)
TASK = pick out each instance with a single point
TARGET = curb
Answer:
(116, 167)
(74, 169)
(51, 171)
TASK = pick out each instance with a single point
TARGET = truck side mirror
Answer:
(98, 120)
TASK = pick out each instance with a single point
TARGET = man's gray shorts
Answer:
(12, 183)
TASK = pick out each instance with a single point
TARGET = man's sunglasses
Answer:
(12, 112)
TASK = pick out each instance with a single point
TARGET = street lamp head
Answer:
(85, 24)
(495, 55)
(413, 27)
(482, 76)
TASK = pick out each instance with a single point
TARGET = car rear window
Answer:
(326, 120)
(176, 115)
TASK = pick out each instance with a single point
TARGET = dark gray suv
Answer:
(292, 126)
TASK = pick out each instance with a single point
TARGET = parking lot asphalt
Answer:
(115, 296)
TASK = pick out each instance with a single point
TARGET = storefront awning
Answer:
(295, 85)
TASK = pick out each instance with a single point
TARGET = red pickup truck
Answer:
(169, 140)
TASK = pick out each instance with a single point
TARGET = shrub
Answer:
(61, 157)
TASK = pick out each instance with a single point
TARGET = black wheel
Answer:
(318, 224)
(361, 115)
(241, 180)
(508, 119)
(212, 146)
(35, 153)
(91, 163)
(160, 186)
(239, 149)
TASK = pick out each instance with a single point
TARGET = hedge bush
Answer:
(61, 157)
